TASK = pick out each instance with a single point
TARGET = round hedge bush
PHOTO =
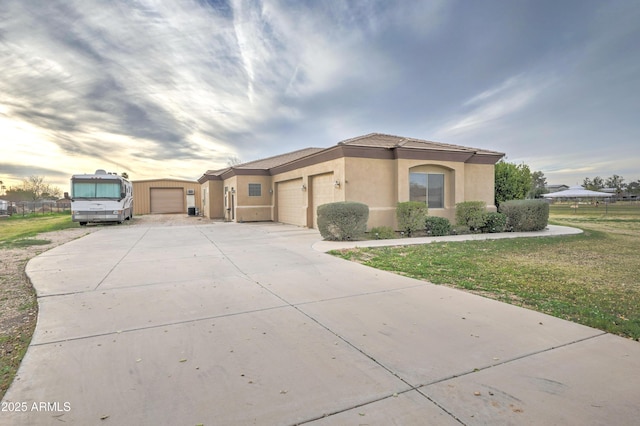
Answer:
(344, 220)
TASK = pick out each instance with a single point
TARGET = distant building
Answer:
(64, 203)
(556, 188)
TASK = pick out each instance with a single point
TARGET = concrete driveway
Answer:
(239, 324)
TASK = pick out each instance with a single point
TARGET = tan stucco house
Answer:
(376, 169)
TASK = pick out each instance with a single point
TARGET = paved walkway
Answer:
(234, 324)
(550, 231)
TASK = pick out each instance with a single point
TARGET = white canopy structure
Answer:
(577, 192)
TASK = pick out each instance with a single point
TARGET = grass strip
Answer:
(17, 228)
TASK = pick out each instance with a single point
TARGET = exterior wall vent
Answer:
(191, 191)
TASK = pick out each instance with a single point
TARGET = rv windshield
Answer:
(96, 190)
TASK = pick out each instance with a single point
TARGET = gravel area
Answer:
(168, 220)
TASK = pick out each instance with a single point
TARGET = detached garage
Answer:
(158, 196)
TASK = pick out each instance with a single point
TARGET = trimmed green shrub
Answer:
(345, 220)
(525, 215)
(494, 222)
(471, 214)
(437, 226)
(382, 233)
(411, 216)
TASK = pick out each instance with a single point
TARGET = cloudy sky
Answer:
(171, 88)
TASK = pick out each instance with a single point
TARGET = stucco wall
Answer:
(454, 182)
(212, 199)
(379, 183)
(253, 208)
(374, 183)
(230, 201)
(335, 166)
(479, 184)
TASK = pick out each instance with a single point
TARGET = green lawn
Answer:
(15, 229)
(592, 278)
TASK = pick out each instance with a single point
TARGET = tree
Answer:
(39, 189)
(538, 185)
(593, 185)
(232, 160)
(634, 187)
(18, 194)
(125, 175)
(616, 182)
(512, 182)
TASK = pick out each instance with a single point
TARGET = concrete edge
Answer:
(549, 231)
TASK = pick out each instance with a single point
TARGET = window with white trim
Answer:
(427, 188)
(255, 190)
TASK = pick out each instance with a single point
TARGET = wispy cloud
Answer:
(174, 87)
(491, 105)
(186, 79)
(162, 76)
(28, 170)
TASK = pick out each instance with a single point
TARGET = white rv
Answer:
(101, 197)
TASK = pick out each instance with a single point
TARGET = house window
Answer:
(255, 190)
(427, 188)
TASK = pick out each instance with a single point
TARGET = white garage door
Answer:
(290, 202)
(167, 200)
(321, 193)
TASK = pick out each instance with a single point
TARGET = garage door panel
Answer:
(290, 202)
(321, 193)
(167, 200)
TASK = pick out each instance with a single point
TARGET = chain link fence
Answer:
(28, 208)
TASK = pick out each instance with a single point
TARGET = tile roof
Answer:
(216, 172)
(380, 140)
(372, 140)
(278, 160)
(268, 163)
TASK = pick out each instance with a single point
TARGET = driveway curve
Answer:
(223, 323)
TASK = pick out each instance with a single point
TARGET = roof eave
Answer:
(485, 158)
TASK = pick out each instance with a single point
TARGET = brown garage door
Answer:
(290, 202)
(167, 200)
(321, 193)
